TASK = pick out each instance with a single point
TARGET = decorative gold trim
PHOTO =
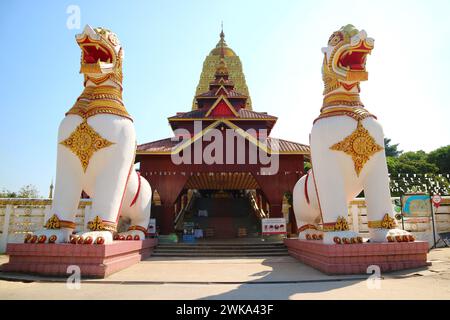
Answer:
(101, 99)
(387, 223)
(99, 225)
(307, 227)
(358, 114)
(67, 224)
(342, 98)
(35, 202)
(138, 228)
(341, 224)
(360, 145)
(84, 142)
(53, 223)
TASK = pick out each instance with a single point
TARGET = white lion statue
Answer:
(347, 153)
(96, 150)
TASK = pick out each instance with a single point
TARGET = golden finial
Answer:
(222, 42)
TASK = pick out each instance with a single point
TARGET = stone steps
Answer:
(220, 250)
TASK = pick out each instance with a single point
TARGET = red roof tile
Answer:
(243, 113)
(284, 146)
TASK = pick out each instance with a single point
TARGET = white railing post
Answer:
(5, 231)
(355, 217)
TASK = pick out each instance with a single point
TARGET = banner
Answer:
(273, 226)
(416, 205)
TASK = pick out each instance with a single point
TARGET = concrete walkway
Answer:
(256, 278)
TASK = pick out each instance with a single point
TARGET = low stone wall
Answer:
(21, 216)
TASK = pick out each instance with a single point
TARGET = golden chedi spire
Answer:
(233, 64)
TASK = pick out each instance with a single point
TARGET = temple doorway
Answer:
(220, 214)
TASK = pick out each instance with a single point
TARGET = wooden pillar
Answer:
(167, 219)
(293, 221)
(169, 188)
(273, 187)
(276, 210)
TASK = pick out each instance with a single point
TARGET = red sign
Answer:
(436, 199)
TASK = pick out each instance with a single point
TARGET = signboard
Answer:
(188, 227)
(273, 226)
(436, 199)
(152, 227)
(416, 205)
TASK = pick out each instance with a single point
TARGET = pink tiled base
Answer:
(95, 261)
(355, 258)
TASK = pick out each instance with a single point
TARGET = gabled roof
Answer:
(270, 145)
(222, 107)
(243, 114)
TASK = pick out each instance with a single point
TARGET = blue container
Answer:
(189, 238)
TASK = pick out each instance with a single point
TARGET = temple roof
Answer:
(243, 114)
(219, 101)
(165, 146)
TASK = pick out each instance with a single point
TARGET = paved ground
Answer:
(256, 278)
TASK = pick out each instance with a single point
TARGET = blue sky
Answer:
(165, 43)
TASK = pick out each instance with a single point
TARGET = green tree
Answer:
(28, 191)
(441, 159)
(391, 149)
(307, 166)
(411, 162)
(7, 194)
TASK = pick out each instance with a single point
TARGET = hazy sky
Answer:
(166, 42)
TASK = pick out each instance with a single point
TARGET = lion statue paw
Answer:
(49, 236)
(92, 237)
(390, 235)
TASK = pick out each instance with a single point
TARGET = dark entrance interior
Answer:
(222, 214)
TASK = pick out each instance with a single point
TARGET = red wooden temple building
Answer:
(221, 170)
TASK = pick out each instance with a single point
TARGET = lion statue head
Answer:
(344, 63)
(101, 55)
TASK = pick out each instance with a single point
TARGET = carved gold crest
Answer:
(360, 145)
(96, 224)
(53, 223)
(387, 223)
(84, 142)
